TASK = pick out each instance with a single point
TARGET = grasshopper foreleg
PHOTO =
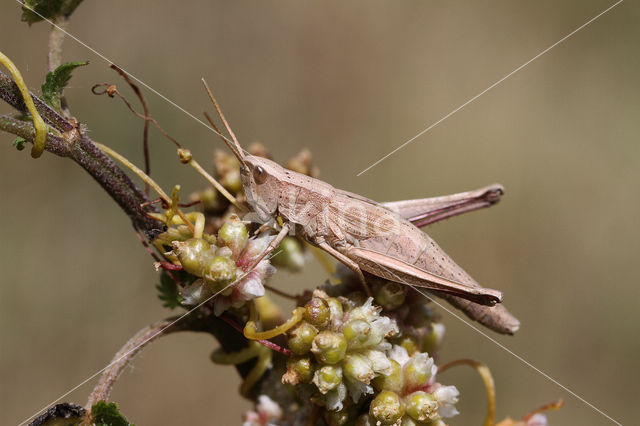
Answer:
(272, 246)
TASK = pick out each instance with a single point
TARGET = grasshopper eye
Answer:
(259, 175)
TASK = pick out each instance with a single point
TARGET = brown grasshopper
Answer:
(382, 239)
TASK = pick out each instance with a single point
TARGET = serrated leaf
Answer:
(19, 143)
(39, 10)
(108, 414)
(56, 81)
(168, 292)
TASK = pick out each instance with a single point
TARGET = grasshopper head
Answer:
(261, 185)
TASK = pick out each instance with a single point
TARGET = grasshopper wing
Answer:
(425, 211)
(397, 270)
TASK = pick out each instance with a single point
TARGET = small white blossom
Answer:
(379, 361)
(357, 389)
(267, 413)
(335, 397)
(446, 396)
(399, 354)
(538, 420)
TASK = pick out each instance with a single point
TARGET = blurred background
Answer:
(350, 81)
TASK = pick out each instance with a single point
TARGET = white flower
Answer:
(195, 293)
(538, 420)
(254, 248)
(357, 389)
(446, 396)
(379, 361)
(335, 397)
(248, 288)
(399, 354)
(267, 410)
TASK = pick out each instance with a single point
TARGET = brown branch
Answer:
(75, 144)
(10, 93)
(24, 129)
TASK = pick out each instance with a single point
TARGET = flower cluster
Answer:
(343, 359)
(410, 393)
(220, 262)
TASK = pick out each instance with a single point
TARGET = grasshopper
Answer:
(382, 239)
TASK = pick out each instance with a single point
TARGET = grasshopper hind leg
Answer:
(349, 264)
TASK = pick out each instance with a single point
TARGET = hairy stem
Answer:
(10, 93)
(24, 129)
(76, 145)
(56, 37)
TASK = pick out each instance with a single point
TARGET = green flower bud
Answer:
(232, 181)
(209, 198)
(386, 408)
(317, 312)
(301, 338)
(390, 295)
(357, 333)
(421, 406)
(417, 371)
(329, 347)
(408, 421)
(289, 255)
(220, 270)
(431, 342)
(228, 171)
(327, 377)
(357, 367)
(393, 381)
(234, 235)
(193, 254)
(299, 370)
(410, 344)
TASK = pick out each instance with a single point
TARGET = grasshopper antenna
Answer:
(235, 148)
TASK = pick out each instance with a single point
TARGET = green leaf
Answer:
(168, 292)
(39, 10)
(107, 414)
(56, 81)
(19, 143)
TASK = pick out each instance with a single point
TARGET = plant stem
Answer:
(56, 37)
(10, 93)
(113, 180)
(82, 150)
(24, 129)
